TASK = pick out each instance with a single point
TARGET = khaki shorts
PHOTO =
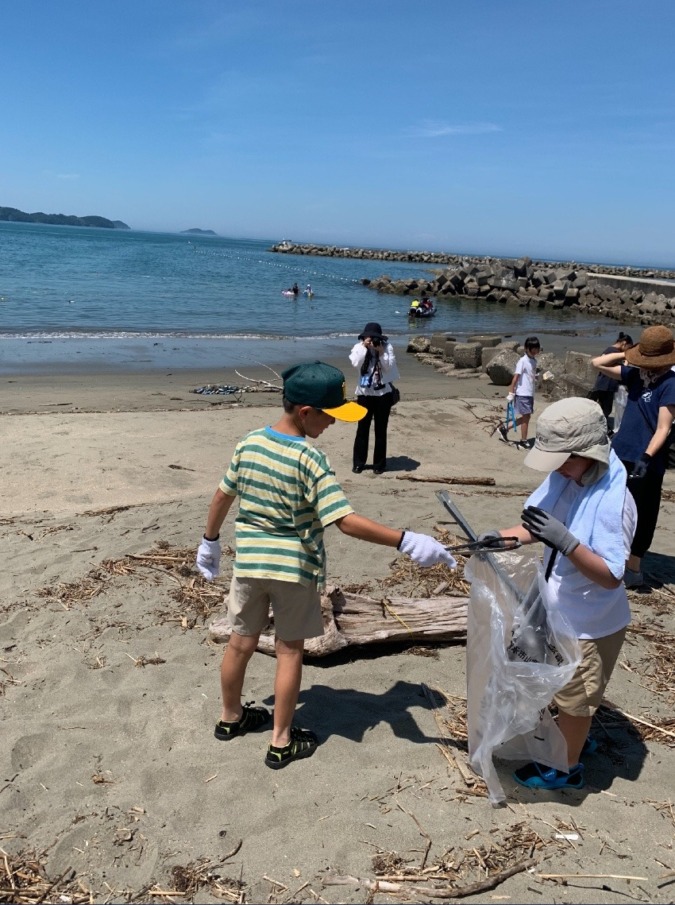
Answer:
(296, 608)
(583, 694)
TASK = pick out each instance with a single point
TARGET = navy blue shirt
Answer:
(604, 383)
(639, 421)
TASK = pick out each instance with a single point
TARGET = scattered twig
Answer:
(587, 877)
(483, 482)
(448, 892)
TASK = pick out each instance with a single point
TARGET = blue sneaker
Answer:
(539, 776)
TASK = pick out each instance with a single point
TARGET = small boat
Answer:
(423, 309)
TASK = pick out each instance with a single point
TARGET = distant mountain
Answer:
(198, 232)
(13, 215)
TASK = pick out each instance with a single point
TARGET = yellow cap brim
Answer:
(350, 411)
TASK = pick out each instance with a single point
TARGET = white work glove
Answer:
(208, 558)
(425, 550)
(509, 397)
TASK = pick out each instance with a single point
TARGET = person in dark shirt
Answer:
(605, 387)
(642, 441)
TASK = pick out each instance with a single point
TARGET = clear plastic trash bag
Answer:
(620, 402)
(520, 652)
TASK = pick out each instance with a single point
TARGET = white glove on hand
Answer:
(509, 397)
(208, 558)
(425, 550)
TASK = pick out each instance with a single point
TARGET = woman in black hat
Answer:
(373, 357)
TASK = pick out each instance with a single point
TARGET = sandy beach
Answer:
(111, 778)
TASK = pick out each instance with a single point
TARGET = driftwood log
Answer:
(355, 619)
(481, 482)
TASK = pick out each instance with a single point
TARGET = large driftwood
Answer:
(483, 482)
(355, 619)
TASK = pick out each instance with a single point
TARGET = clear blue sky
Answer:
(489, 126)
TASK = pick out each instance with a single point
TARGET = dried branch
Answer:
(483, 482)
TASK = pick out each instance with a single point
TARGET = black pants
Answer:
(647, 495)
(379, 408)
(605, 399)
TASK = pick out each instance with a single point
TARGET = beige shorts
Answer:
(583, 693)
(296, 608)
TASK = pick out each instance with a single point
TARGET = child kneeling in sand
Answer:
(587, 518)
(288, 495)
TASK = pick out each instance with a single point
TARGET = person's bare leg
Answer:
(286, 688)
(575, 730)
(238, 652)
(524, 421)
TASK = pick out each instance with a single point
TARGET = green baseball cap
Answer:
(323, 387)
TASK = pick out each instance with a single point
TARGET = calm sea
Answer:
(72, 299)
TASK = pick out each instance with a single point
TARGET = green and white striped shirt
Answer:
(287, 495)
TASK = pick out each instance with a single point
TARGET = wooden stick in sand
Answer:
(483, 482)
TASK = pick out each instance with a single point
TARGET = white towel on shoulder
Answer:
(596, 517)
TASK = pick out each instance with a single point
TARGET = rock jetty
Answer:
(626, 294)
(494, 359)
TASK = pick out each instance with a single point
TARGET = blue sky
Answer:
(485, 126)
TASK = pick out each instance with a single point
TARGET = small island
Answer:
(13, 215)
(198, 232)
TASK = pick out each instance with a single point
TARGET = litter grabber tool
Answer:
(530, 639)
(510, 419)
(520, 652)
(489, 545)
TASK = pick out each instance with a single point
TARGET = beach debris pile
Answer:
(24, 881)
(460, 871)
(219, 389)
(252, 385)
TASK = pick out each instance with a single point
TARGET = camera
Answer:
(375, 341)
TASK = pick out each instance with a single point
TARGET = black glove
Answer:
(549, 530)
(641, 466)
(488, 536)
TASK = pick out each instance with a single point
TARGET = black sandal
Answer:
(251, 719)
(303, 743)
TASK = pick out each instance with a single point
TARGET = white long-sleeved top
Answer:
(387, 364)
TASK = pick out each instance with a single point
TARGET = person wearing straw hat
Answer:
(583, 513)
(288, 495)
(642, 441)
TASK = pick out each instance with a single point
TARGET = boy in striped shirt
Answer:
(288, 495)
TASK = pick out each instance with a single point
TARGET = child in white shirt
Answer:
(521, 392)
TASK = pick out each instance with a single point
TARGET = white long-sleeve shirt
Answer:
(388, 367)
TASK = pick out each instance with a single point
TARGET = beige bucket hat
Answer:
(571, 426)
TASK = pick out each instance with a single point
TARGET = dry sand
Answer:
(109, 682)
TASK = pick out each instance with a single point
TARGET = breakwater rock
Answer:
(627, 294)
(644, 300)
(494, 359)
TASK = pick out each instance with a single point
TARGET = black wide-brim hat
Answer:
(374, 331)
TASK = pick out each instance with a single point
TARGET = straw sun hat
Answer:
(656, 349)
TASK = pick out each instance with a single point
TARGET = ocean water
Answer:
(74, 298)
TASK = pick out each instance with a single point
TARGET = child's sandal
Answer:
(303, 743)
(251, 719)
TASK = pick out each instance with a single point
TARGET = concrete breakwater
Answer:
(626, 294)
(494, 358)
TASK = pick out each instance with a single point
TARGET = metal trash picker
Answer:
(530, 639)
(519, 654)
